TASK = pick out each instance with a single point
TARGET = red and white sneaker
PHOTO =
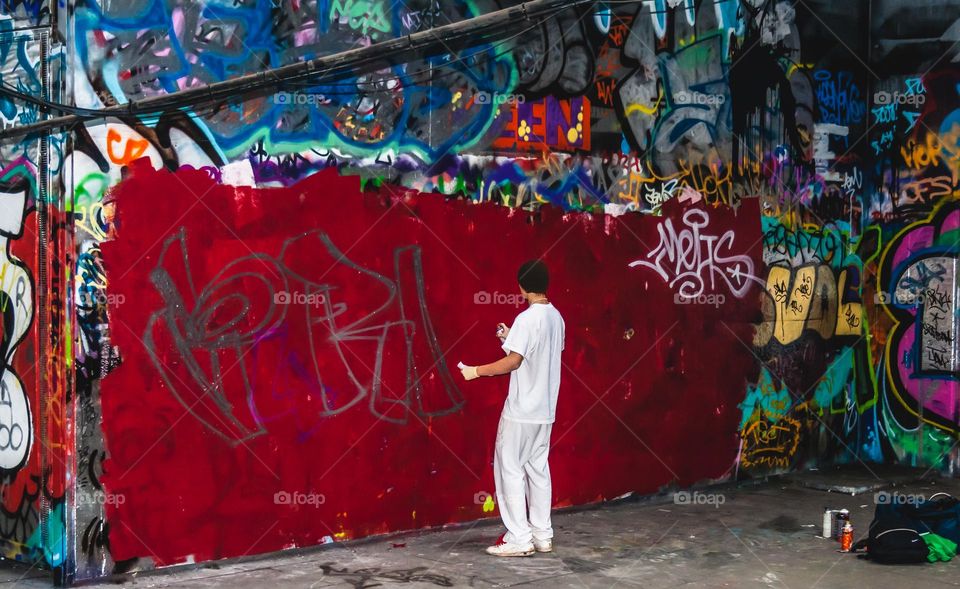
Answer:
(504, 548)
(543, 545)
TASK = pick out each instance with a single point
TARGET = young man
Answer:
(520, 467)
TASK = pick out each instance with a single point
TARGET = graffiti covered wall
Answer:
(357, 338)
(33, 376)
(608, 133)
(270, 293)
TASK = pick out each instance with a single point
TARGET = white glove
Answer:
(468, 372)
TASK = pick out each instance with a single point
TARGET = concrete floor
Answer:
(760, 536)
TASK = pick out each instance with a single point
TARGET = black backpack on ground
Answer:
(939, 514)
(893, 540)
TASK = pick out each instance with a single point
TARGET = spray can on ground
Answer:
(827, 522)
(846, 537)
(842, 517)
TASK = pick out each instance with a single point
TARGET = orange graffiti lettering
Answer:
(133, 149)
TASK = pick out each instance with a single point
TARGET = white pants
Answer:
(522, 475)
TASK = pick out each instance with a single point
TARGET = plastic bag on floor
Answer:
(940, 548)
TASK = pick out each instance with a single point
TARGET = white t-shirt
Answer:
(537, 335)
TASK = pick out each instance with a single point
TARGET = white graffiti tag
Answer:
(690, 260)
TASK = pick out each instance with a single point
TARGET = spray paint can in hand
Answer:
(846, 537)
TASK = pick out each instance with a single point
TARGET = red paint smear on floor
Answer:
(298, 447)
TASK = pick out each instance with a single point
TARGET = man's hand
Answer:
(502, 331)
(468, 372)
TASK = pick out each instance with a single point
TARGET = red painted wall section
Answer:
(289, 357)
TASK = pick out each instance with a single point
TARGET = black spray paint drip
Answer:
(756, 69)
